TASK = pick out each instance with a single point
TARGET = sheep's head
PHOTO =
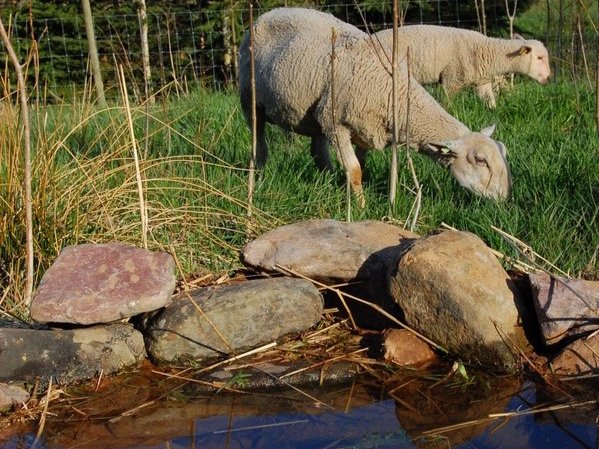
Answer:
(476, 161)
(535, 59)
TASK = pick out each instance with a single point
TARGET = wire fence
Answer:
(200, 46)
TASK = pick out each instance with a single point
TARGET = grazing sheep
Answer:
(456, 57)
(292, 53)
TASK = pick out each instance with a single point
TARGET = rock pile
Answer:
(447, 287)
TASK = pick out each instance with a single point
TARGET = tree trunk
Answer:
(145, 50)
(93, 52)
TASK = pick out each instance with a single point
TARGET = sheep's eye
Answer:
(481, 160)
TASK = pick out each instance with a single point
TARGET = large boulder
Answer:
(68, 355)
(224, 320)
(89, 284)
(327, 250)
(453, 290)
(565, 307)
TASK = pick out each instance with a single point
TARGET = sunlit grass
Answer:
(195, 152)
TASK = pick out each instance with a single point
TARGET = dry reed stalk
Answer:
(284, 270)
(27, 161)
(325, 329)
(347, 309)
(212, 325)
(511, 346)
(536, 410)
(254, 351)
(143, 211)
(333, 109)
(324, 362)
(172, 60)
(42, 421)
(514, 263)
(526, 251)
(394, 107)
(252, 168)
(418, 200)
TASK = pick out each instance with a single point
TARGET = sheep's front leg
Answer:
(347, 158)
(319, 148)
(485, 93)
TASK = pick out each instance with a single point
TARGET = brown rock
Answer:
(90, 284)
(225, 320)
(453, 290)
(11, 395)
(404, 348)
(579, 358)
(327, 250)
(565, 307)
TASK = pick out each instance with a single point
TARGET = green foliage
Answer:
(195, 151)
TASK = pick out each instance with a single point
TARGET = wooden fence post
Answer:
(93, 52)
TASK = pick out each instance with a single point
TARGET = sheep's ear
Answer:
(489, 130)
(524, 50)
(445, 149)
(518, 36)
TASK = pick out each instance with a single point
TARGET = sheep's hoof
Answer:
(361, 199)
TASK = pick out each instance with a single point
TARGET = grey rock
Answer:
(68, 355)
(11, 395)
(89, 284)
(328, 251)
(565, 307)
(453, 290)
(579, 358)
(226, 320)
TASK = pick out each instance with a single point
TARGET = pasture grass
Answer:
(195, 150)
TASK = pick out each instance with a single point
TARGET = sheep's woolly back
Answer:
(457, 56)
(292, 51)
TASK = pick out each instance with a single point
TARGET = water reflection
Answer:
(421, 413)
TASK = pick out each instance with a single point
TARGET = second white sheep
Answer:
(457, 57)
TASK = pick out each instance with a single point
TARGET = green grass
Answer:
(196, 181)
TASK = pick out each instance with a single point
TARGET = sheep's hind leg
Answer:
(349, 161)
(261, 146)
(319, 148)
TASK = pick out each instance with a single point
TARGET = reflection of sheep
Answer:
(456, 57)
(292, 51)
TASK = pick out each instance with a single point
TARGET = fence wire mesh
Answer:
(200, 45)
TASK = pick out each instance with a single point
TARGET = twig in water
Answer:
(324, 362)
(40, 429)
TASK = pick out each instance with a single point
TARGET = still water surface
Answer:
(419, 414)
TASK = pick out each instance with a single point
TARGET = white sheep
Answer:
(456, 57)
(295, 86)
